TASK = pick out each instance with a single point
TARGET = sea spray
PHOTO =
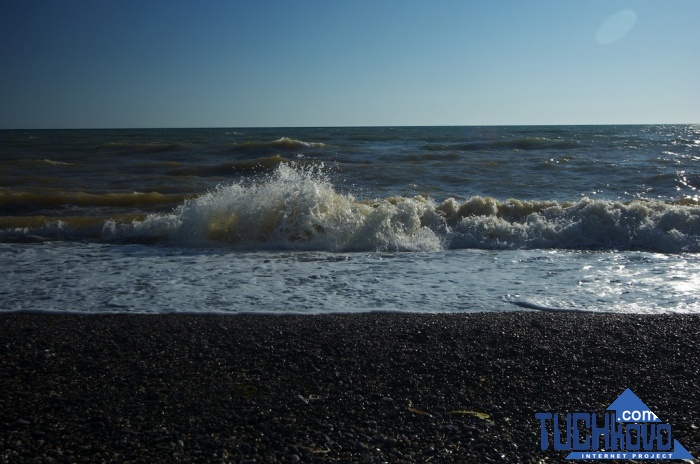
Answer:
(297, 207)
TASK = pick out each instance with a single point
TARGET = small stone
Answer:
(479, 446)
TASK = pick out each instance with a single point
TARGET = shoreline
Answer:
(370, 387)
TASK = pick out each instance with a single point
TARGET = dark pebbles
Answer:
(367, 388)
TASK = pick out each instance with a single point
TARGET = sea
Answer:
(351, 219)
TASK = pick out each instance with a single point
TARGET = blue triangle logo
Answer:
(679, 451)
(629, 408)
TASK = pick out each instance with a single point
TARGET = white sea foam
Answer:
(101, 277)
(298, 208)
(587, 224)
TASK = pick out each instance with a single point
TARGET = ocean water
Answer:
(318, 220)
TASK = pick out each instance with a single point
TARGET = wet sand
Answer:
(363, 388)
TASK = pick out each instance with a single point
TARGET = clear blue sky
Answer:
(226, 63)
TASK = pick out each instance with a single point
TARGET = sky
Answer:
(311, 63)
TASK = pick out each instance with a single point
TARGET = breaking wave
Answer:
(282, 144)
(297, 207)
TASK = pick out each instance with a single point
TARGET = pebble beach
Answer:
(355, 388)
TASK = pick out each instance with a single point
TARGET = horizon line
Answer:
(348, 126)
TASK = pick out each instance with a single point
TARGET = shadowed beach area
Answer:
(365, 388)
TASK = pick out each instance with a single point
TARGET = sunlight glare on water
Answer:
(139, 278)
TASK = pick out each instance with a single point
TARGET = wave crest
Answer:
(587, 225)
(281, 144)
(297, 207)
